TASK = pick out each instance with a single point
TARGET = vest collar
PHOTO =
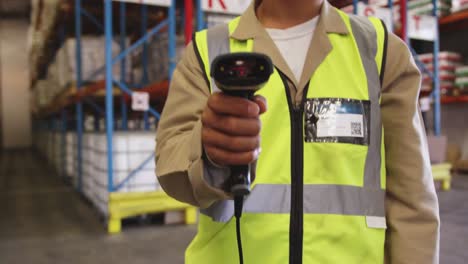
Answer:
(249, 27)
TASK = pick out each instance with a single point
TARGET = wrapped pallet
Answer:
(425, 7)
(448, 62)
(71, 155)
(87, 166)
(130, 172)
(43, 92)
(461, 81)
(158, 58)
(44, 17)
(92, 59)
(459, 5)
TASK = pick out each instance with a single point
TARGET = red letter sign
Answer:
(416, 20)
(221, 2)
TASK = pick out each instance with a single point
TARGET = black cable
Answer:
(238, 203)
(239, 241)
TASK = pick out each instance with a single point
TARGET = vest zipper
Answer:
(297, 175)
(296, 221)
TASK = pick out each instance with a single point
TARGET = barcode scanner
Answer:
(241, 74)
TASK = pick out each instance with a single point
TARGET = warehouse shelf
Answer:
(116, 199)
(435, 73)
(96, 90)
(72, 95)
(122, 205)
(403, 33)
(454, 17)
(454, 21)
(64, 26)
(454, 99)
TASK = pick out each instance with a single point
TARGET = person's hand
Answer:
(231, 129)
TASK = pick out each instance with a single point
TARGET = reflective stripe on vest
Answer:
(320, 199)
(218, 43)
(365, 36)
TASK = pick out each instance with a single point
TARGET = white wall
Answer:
(16, 119)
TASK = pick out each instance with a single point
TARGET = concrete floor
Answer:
(44, 221)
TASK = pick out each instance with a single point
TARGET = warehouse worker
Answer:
(342, 171)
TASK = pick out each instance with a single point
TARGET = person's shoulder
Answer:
(397, 51)
(399, 61)
(396, 42)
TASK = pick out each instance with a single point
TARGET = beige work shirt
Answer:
(411, 203)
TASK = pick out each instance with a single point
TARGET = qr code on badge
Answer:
(356, 129)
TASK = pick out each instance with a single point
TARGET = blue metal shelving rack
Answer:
(117, 212)
(435, 74)
(107, 68)
(435, 94)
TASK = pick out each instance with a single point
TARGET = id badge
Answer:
(337, 120)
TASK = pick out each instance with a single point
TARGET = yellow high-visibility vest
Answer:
(319, 191)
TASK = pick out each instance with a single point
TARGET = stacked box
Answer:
(448, 61)
(49, 145)
(130, 150)
(43, 93)
(87, 165)
(93, 57)
(425, 7)
(461, 81)
(71, 154)
(88, 125)
(53, 77)
(158, 61)
(459, 5)
(44, 15)
(62, 70)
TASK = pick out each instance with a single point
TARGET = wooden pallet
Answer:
(125, 205)
(441, 172)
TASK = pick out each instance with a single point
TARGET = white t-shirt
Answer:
(293, 44)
